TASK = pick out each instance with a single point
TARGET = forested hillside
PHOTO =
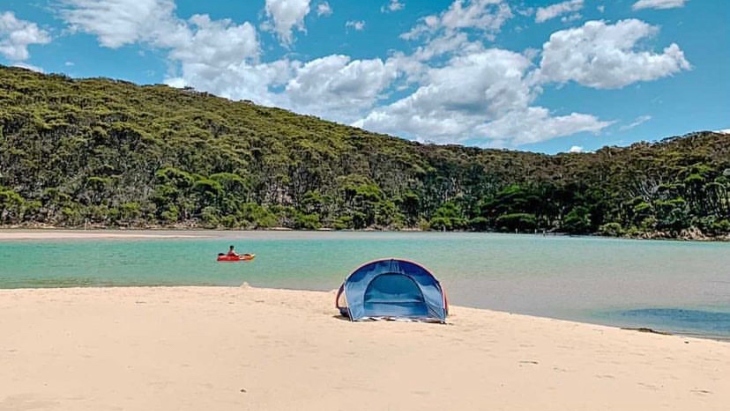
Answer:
(112, 154)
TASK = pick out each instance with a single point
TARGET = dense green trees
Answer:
(112, 154)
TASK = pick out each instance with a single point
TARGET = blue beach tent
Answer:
(392, 288)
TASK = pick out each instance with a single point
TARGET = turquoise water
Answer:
(670, 286)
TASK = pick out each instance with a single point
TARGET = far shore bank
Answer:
(58, 234)
(244, 348)
(52, 232)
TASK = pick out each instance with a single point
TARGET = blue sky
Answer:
(545, 76)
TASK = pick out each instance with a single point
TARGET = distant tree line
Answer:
(112, 154)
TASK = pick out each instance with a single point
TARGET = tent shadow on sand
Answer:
(392, 289)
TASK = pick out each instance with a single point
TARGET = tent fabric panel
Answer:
(397, 309)
(357, 282)
(430, 287)
(393, 287)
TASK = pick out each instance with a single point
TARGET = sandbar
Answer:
(46, 234)
(244, 348)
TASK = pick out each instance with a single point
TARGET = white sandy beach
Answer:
(217, 348)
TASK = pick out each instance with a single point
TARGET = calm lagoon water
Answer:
(681, 287)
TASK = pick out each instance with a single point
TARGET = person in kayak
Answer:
(232, 253)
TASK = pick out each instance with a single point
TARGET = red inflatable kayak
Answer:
(234, 258)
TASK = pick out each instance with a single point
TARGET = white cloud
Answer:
(447, 34)
(210, 55)
(287, 15)
(120, 22)
(576, 149)
(16, 35)
(525, 11)
(602, 56)
(240, 81)
(486, 16)
(394, 5)
(448, 43)
(177, 82)
(336, 84)
(357, 25)
(217, 43)
(197, 41)
(29, 67)
(481, 96)
(658, 4)
(637, 122)
(725, 131)
(601, 8)
(546, 13)
(535, 124)
(324, 9)
(570, 18)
